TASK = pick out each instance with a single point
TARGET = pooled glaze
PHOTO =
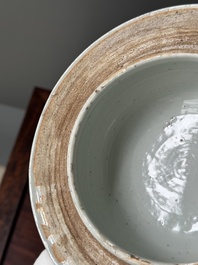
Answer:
(171, 31)
(134, 162)
(170, 173)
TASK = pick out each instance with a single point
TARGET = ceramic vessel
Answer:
(113, 163)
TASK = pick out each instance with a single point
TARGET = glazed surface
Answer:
(170, 31)
(134, 162)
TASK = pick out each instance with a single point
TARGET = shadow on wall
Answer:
(39, 39)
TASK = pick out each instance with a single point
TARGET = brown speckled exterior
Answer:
(169, 31)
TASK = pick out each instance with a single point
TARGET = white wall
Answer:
(40, 38)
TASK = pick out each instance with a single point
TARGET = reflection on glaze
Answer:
(169, 170)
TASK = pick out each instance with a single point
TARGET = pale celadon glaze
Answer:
(138, 182)
(134, 163)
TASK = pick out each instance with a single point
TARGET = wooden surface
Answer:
(19, 239)
(25, 244)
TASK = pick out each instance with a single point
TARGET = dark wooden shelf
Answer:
(20, 243)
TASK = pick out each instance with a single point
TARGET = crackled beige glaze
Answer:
(169, 31)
